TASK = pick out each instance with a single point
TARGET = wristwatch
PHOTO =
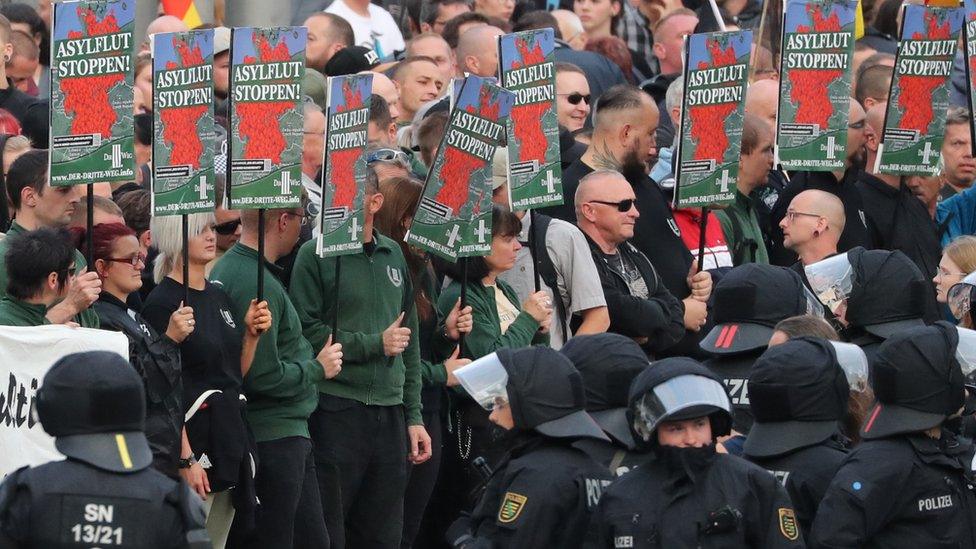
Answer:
(188, 462)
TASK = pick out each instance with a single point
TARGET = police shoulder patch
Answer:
(787, 524)
(511, 507)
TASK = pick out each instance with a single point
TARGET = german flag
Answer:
(185, 10)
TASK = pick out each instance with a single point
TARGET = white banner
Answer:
(26, 354)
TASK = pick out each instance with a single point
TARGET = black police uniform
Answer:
(901, 488)
(543, 491)
(104, 494)
(747, 304)
(608, 363)
(799, 395)
(692, 497)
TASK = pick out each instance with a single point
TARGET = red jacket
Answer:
(716, 248)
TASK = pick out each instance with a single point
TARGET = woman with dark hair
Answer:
(438, 337)
(119, 263)
(599, 17)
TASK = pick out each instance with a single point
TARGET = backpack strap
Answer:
(545, 267)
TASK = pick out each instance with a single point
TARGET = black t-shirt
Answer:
(212, 354)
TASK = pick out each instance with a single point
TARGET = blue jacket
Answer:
(957, 215)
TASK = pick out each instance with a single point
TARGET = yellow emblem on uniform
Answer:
(511, 507)
(787, 524)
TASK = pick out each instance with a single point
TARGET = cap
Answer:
(546, 394)
(687, 390)
(94, 404)
(499, 168)
(917, 381)
(350, 60)
(749, 301)
(221, 40)
(797, 393)
(888, 294)
(959, 297)
(608, 363)
(314, 86)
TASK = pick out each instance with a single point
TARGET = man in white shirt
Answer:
(372, 25)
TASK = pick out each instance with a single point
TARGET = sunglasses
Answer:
(575, 97)
(387, 155)
(227, 228)
(622, 206)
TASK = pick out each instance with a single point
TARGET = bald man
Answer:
(163, 23)
(387, 89)
(571, 29)
(897, 220)
(327, 34)
(434, 46)
(812, 226)
(477, 51)
(840, 183)
(639, 304)
(762, 98)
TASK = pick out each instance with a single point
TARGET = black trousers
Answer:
(361, 460)
(421, 484)
(290, 512)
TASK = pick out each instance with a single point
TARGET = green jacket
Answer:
(741, 227)
(87, 318)
(486, 335)
(280, 386)
(373, 290)
(14, 312)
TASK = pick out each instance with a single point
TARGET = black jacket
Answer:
(157, 359)
(601, 73)
(856, 232)
(668, 502)
(541, 495)
(903, 491)
(733, 370)
(660, 317)
(31, 112)
(806, 473)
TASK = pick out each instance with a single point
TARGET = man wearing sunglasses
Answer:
(840, 184)
(640, 305)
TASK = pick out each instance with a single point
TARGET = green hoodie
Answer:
(87, 318)
(280, 386)
(373, 290)
(14, 312)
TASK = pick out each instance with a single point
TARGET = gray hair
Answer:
(167, 237)
(957, 115)
(675, 93)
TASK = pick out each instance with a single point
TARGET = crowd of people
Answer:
(592, 381)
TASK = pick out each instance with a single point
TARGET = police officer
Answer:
(907, 484)
(608, 363)
(687, 495)
(105, 494)
(798, 393)
(543, 491)
(748, 303)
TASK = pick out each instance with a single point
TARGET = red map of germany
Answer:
(86, 97)
(708, 121)
(459, 165)
(180, 123)
(813, 106)
(915, 99)
(259, 127)
(528, 118)
(343, 163)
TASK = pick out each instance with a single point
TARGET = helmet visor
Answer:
(678, 394)
(854, 363)
(485, 380)
(959, 296)
(831, 280)
(966, 350)
(814, 307)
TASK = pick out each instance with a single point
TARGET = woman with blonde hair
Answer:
(958, 260)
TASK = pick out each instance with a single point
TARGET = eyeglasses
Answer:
(575, 97)
(943, 273)
(72, 270)
(791, 215)
(227, 228)
(134, 260)
(387, 155)
(303, 219)
(622, 206)
(859, 125)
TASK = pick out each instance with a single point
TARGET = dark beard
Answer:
(633, 168)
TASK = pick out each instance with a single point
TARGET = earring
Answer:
(816, 234)
(6, 58)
